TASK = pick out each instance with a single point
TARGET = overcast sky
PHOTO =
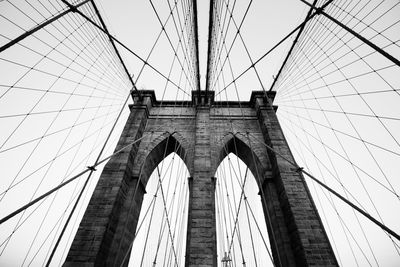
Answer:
(338, 106)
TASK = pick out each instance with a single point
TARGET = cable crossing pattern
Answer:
(70, 76)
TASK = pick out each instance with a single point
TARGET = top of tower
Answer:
(199, 98)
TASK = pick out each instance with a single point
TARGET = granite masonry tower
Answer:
(202, 132)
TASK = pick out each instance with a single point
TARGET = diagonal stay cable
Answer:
(276, 45)
(300, 151)
(248, 207)
(346, 134)
(152, 132)
(214, 38)
(347, 192)
(170, 42)
(369, 25)
(325, 39)
(30, 175)
(40, 26)
(237, 206)
(229, 215)
(35, 89)
(19, 225)
(64, 177)
(62, 24)
(54, 111)
(231, 46)
(53, 120)
(153, 204)
(329, 157)
(221, 42)
(144, 217)
(191, 15)
(89, 176)
(268, 220)
(84, 57)
(172, 211)
(74, 194)
(50, 134)
(237, 213)
(180, 208)
(89, 168)
(355, 129)
(301, 170)
(62, 28)
(156, 41)
(345, 112)
(111, 41)
(292, 47)
(157, 118)
(166, 215)
(120, 43)
(366, 41)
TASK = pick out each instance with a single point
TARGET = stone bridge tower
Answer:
(202, 132)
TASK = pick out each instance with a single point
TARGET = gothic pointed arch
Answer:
(198, 132)
(152, 152)
(255, 157)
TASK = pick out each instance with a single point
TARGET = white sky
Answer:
(357, 90)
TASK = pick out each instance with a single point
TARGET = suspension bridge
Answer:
(147, 134)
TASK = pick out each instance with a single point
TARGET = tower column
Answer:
(101, 235)
(201, 233)
(307, 237)
(108, 227)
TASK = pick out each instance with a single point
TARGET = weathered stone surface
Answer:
(202, 132)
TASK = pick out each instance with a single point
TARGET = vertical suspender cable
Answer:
(293, 45)
(86, 182)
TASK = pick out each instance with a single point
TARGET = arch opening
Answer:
(242, 235)
(159, 162)
(161, 231)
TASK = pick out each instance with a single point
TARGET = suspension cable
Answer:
(299, 169)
